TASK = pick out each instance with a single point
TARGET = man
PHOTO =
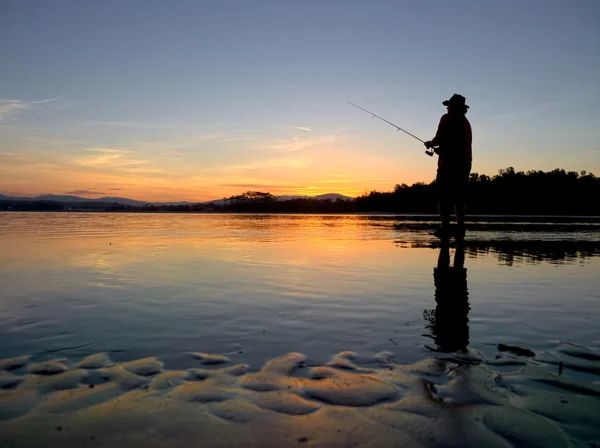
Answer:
(452, 143)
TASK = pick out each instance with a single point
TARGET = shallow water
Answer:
(255, 287)
(148, 285)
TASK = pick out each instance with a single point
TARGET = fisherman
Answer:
(452, 143)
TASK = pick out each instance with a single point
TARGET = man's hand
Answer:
(428, 144)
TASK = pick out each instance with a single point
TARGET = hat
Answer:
(456, 100)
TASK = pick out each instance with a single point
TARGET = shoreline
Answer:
(398, 216)
(453, 399)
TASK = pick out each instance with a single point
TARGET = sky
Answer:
(199, 100)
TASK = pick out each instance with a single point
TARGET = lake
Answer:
(167, 293)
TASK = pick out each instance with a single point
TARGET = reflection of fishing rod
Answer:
(428, 152)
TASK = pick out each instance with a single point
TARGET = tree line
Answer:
(556, 192)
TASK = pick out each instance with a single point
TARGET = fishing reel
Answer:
(430, 151)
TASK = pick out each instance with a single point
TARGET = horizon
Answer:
(190, 102)
(182, 200)
(104, 195)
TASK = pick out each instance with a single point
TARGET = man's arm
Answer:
(441, 131)
(439, 135)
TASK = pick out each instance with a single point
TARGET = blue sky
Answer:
(196, 100)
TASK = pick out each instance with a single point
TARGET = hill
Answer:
(135, 203)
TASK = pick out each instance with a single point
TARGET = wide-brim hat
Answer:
(456, 100)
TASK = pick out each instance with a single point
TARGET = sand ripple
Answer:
(513, 399)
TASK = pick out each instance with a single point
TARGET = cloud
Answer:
(12, 107)
(273, 163)
(9, 154)
(172, 154)
(142, 170)
(260, 186)
(45, 101)
(13, 157)
(115, 189)
(133, 124)
(302, 128)
(99, 160)
(115, 157)
(350, 180)
(84, 192)
(305, 142)
(109, 150)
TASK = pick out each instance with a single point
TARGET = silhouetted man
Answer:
(452, 143)
(449, 323)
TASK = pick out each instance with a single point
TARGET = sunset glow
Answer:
(100, 101)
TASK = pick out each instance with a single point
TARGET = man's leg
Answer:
(443, 197)
(459, 209)
(444, 208)
(460, 196)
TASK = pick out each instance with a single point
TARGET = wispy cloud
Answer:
(8, 108)
(305, 142)
(109, 150)
(8, 154)
(13, 157)
(142, 170)
(350, 180)
(302, 128)
(172, 154)
(234, 139)
(99, 160)
(262, 186)
(115, 189)
(116, 157)
(84, 192)
(45, 101)
(239, 173)
(132, 124)
(273, 163)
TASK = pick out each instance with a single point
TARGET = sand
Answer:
(351, 401)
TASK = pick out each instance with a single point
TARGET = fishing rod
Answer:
(428, 152)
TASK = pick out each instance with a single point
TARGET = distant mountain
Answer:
(176, 203)
(70, 198)
(59, 198)
(124, 201)
(333, 196)
(330, 196)
(13, 198)
(107, 199)
(135, 203)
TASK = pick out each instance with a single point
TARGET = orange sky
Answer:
(294, 161)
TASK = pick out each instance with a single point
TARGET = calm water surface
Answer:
(258, 286)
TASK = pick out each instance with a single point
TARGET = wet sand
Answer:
(514, 398)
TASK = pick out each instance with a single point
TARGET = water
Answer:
(153, 285)
(460, 345)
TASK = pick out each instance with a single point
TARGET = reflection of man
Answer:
(449, 323)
